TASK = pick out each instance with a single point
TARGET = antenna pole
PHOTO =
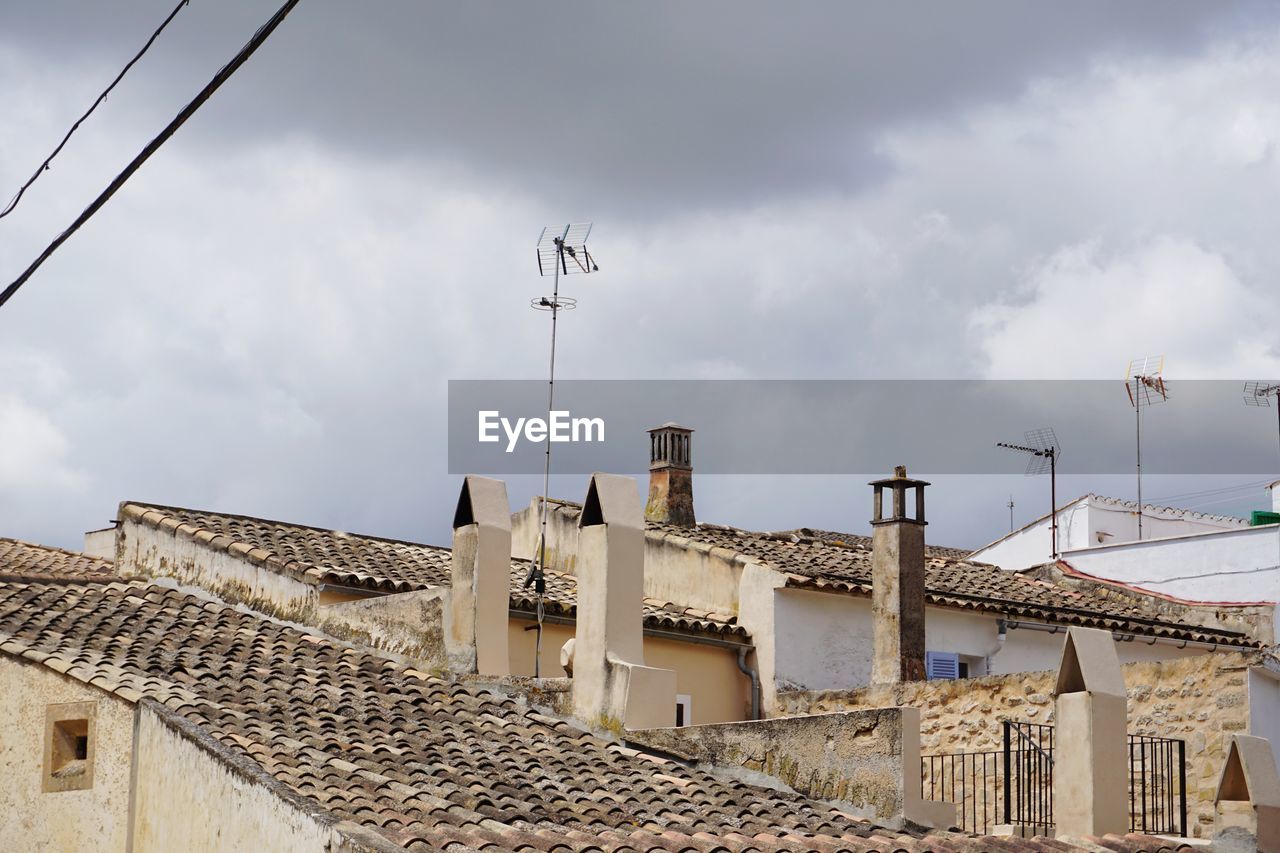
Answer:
(1010, 513)
(540, 583)
(1052, 453)
(1137, 413)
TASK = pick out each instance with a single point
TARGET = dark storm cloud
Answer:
(621, 107)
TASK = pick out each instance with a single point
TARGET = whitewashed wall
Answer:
(1093, 522)
(1229, 566)
(824, 642)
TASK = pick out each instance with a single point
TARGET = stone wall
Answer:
(1202, 700)
(853, 757)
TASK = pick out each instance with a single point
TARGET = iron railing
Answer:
(1157, 785)
(1028, 774)
(1014, 785)
(968, 779)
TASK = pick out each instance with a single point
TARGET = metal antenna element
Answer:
(1145, 386)
(562, 250)
(1259, 394)
(1043, 448)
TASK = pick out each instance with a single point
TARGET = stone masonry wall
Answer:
(1202, 699)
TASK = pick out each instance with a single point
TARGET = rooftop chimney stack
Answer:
(670, 476)
(612, 688)
(480, 592)
(897, 581)
(1275, 496)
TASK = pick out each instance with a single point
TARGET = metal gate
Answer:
(1014, 785)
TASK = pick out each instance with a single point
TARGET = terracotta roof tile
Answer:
(36, 562)
(320, 717)
(829, 562)
(318, 556)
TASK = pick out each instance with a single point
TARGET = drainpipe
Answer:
(1002, 632)
(755, 681)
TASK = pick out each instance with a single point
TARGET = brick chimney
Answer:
(670, 476)
(897, 581)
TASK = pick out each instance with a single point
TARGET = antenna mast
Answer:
(1144, 383)
(1043, 447)
(562, 250)
(1259, 394)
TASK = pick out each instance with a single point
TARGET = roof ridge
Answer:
(1180, 510)
(54, 548)
(293, 524)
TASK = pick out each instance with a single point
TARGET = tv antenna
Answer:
(1144, 383)
(562, 250)
(1043, 448)
(1259, 394)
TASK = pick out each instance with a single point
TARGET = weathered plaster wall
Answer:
(824, 641)
(691, 573)
(407, 623)
(96, 819)
(756, 612)
(562, 536)
(855, 757)
(1202, 699)
(194, 794)
(101, 543)
(708, 675)
(144, 551)
(521, 645)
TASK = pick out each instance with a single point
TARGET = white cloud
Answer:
(34, 451)
(270, 328)
(1089, 311)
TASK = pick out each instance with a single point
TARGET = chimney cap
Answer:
(670, 425)
(899, 478)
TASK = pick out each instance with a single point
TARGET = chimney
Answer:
(670, 476)
(897, 582)
(1275, 495)
(480, 594)
(612, 688)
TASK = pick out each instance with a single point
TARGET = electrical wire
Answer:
(189, 110)
(43, 167)
(1241, 487)
(1221, 574)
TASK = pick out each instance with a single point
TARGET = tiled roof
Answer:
(318, 556)
(309, 554)
(427, 763)
(36, 562)
(825, 563)
(836, 537)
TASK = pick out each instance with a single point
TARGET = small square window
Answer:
(69, 746)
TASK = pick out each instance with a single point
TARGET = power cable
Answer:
(154, 145)
(1240, 487)
(43, 167)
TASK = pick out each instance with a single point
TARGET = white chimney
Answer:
(1275, 496)
(480, 595)
(612, 688)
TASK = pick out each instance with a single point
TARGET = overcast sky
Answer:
(264, 320)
